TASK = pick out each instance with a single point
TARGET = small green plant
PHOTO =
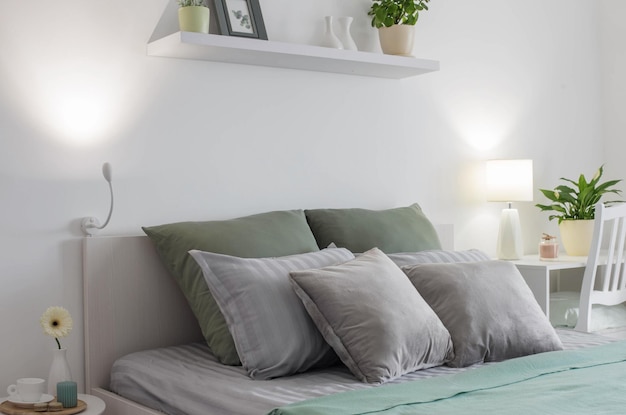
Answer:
(188, 3)
(578, 202)
(386, 13)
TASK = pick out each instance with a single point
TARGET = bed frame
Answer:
(131, 303)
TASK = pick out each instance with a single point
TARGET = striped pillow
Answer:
(272, 331)
(437, 256)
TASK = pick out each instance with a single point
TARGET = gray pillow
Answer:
(273, 334)
(488, 309)
(268, 234)
(377, 323)
(404, 229)
(438, 256)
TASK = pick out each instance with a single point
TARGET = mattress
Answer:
(188, 380)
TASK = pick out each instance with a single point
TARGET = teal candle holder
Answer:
(67, 394)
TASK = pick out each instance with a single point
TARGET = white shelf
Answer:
(231, 49)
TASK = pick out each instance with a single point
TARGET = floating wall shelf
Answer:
(230, 49)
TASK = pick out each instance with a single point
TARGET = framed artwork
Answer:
(240, 18)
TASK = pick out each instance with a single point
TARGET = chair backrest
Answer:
(604, 281)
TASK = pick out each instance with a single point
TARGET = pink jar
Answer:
(548, 247)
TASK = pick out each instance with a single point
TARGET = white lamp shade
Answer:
(509, 180)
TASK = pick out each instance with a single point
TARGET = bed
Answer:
(137, 319)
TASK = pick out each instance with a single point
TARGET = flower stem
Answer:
(58, 342)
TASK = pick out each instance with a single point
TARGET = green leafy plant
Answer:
(386, 13)
(578, 202)
(188, 3)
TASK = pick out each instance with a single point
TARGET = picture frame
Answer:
(240, 18)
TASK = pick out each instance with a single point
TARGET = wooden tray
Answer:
(9, 408)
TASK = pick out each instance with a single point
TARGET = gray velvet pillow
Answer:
(488, 309)
(273, 334)
(404, 229)
(268, 234)
(377, 323)
(438, 256)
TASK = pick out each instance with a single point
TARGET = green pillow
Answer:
(264, 235)
(404, 229)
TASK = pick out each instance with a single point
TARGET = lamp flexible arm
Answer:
(106, 222)
(91, 225)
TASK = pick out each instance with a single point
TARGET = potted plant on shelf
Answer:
(193, 16)
(575, 209)
(395, 21)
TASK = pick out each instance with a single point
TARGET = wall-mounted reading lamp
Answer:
(91, 225)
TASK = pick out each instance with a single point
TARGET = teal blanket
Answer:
(585, 381)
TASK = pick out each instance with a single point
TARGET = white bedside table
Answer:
(95, 405)
(537, 274)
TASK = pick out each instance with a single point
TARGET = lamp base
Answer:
(509, 236)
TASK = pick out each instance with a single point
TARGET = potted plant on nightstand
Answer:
(193, 16)
(395, 21)
(575, 209)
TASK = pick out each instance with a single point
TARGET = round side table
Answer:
(95, 405)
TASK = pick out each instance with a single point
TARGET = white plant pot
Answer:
(576, 236)
(397, 39)
(194, 19)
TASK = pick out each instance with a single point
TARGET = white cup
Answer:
(27, 389)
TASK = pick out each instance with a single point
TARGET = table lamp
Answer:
(509, 181)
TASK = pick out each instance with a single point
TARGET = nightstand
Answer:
(537, 274)
(95, 405)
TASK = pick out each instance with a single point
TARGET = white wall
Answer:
(199, 140)
(613, 47)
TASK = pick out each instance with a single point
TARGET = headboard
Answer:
(131, 303)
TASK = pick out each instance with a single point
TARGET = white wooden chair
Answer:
(604, 281)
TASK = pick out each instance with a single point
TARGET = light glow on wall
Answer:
(74, 98)
(78, 103)
(483, 122)
(485, 117)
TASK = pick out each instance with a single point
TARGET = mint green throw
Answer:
(585, 381)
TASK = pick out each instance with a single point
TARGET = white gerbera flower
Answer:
(56, 322)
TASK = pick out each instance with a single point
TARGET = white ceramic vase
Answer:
(343, 33)
(59, 370)
(397, 39)
(329, 39)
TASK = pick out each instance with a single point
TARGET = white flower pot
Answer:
(397, 39)
(194, 19)
(576, 236)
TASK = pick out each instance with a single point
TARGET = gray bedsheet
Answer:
(188, 380)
